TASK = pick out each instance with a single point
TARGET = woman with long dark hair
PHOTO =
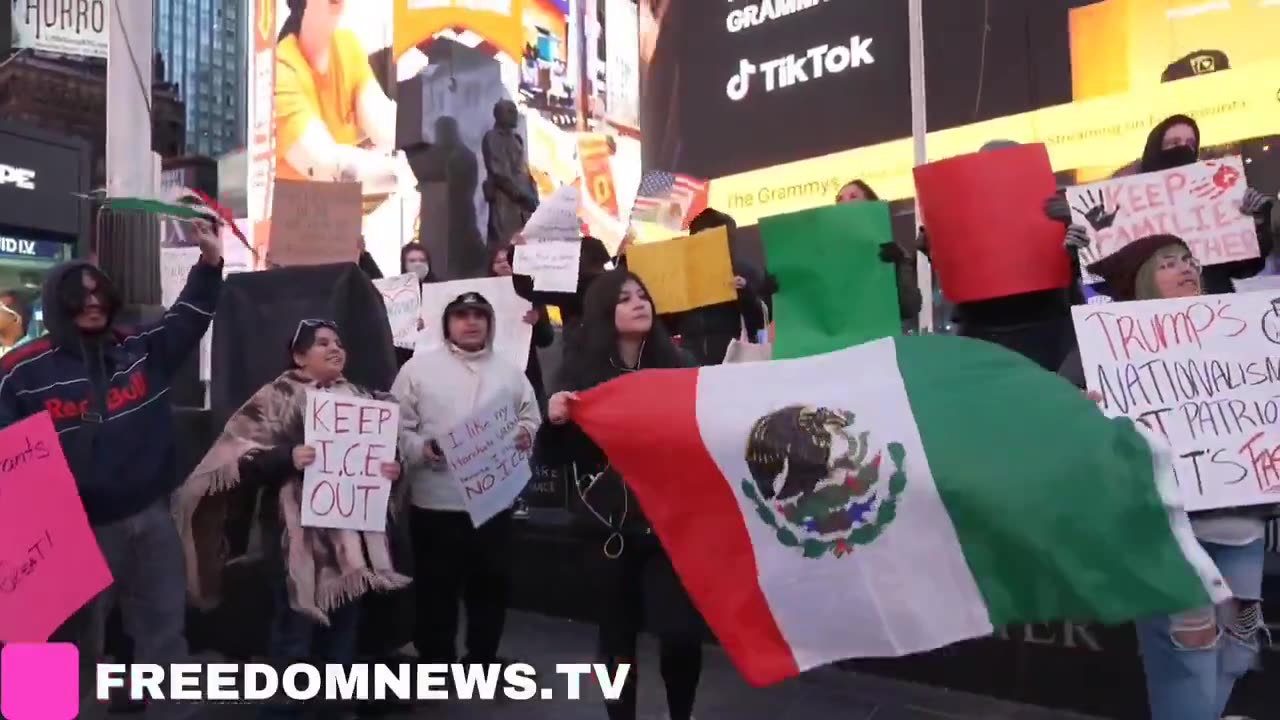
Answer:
(620, 333)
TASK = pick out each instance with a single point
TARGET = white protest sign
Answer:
(491, 472)
(403, 300)
(1199, 203)
(556, 219)
(552, 265)
(511, 333)
(553, 243)
(352, 436)
(1203, 372)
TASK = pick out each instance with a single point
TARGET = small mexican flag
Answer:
(896, 497)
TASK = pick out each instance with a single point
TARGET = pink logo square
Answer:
(41, 681)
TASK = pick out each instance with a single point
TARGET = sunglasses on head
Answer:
(317, 324)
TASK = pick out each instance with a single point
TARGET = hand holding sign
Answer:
(349, 460)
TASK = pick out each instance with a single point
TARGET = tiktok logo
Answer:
(801, 68)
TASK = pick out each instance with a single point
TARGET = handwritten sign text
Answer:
(352, 437)
(483, 458)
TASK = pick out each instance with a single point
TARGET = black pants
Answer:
(640, 590)
(454, 560)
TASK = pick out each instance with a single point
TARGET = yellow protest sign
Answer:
(686, 272)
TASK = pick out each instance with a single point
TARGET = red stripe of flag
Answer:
(660, 454)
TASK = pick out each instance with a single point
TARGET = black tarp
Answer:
(259, 312)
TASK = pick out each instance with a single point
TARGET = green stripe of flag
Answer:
(1033, 563)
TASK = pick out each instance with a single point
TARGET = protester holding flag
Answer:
(902, 257)
(1192, 659)
(621, 334)
(438, 391)
(543, 333)
(1175, 142)
(320, 574)
(105, 389)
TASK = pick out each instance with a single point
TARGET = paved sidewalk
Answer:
(723, 695)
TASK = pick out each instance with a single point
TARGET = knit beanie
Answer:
(1120, 269)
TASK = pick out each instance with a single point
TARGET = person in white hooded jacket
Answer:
(437, 391)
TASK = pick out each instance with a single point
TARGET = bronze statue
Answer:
(509, 188)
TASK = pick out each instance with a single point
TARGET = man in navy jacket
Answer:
(105, 388)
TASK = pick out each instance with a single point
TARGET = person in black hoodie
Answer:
(105, 388)
(707, 331)
(639, 589)
(1036, 325)
(1175, 142)
(592, 262)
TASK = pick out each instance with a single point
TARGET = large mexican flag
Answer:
(896, 497)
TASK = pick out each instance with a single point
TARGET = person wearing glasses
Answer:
(15, 319)
(320, 574)
(1192, 659)
(105, 388)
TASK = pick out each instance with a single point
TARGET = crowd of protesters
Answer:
(121, 449)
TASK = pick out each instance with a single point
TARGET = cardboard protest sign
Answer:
(833, 289)
(685, 273)
(50, 564)
(1202, 372)
(315, 223)
(1199, 203)
(511, 333)
(403, 299)
(483, 458)
(988, 234)
(352, 437)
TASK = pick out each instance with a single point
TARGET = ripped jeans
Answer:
(1193, 659)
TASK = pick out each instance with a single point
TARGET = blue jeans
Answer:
(1193, 659)
(296, 638)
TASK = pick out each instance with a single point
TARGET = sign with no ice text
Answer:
(482, 454)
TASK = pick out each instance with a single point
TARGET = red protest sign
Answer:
(988, 234)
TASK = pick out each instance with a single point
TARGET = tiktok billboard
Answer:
(745, 67)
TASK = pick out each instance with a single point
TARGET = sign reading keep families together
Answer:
(1204, 372)
(1199, 203)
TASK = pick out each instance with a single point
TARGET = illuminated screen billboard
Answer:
(324, 78)
(781, 103)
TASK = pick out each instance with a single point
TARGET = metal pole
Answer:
(915, 29)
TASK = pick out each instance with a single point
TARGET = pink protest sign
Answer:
(50, 564)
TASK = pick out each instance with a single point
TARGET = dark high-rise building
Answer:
(203, 43)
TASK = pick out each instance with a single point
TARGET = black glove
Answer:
(892, 252)
(1056, 208)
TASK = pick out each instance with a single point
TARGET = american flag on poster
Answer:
(668, 199)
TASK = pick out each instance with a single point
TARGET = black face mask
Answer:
(1176, 156)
